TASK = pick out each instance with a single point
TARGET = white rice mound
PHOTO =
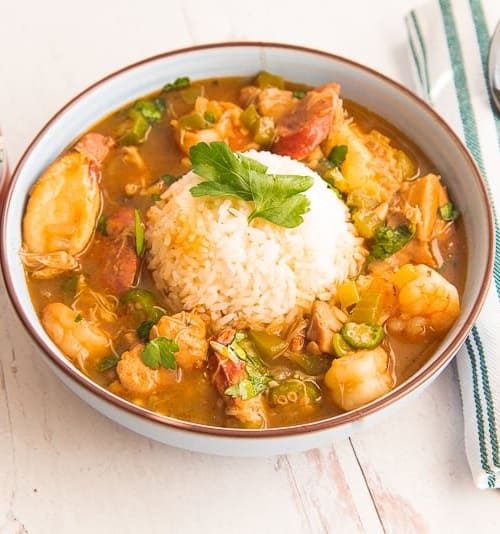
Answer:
(203, 254)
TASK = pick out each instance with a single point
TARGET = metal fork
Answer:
(494, 67)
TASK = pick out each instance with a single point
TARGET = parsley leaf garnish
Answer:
(277, 198)
(160, 351)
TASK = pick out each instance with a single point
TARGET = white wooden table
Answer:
(66, 469)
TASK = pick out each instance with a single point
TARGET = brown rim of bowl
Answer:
(336, 421)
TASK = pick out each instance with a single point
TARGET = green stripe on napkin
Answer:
(446, 29)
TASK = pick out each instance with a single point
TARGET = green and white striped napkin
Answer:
(449, 42)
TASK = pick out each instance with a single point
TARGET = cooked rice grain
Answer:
(204, 254)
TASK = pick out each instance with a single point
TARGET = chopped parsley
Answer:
(102, 224)
(144, 328)
(209, 117)
(337, 155)
(277, 198)
(388, 240)
(169, 179)
(160, 352)
(107, 363)
(69, 285)
(179, 83)
(151, 110)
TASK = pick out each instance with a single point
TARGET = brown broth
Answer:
(194, 398)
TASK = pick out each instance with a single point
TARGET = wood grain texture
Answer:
(66, 469)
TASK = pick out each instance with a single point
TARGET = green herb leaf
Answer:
(179, 83)
(101, 224)
(151, 110)
(160, 351)
(209, 117)
(69, 285)
(277, 198)
(389, 240)
(257, 379)
(337, 155)
(299, 94)
(139, 233)
(78, 318)
(448, 212)
(248, 387)
(107, 363)
(144, 328)
(169, 179)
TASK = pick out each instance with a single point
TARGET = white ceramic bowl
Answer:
(360, 84)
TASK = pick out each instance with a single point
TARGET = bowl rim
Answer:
(396, 395)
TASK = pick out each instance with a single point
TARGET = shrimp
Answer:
(188, 330)
(137, 378)
(428, 303)
(361, 377)
(270, 102)
(227, 126)
(75, 336)
(372, 167)
(63, 208)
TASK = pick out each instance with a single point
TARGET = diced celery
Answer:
(268, 345)
(136, 129)
(192, 121)
(312, 364)
(266, 79)
(250, 117)
(348, 294)
(365, 222)
(191, 93)
(264, 132)
(367, 310)
(357, 199)
(406, 165)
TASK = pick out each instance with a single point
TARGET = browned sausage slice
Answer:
(122, 263)
(299, 132)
